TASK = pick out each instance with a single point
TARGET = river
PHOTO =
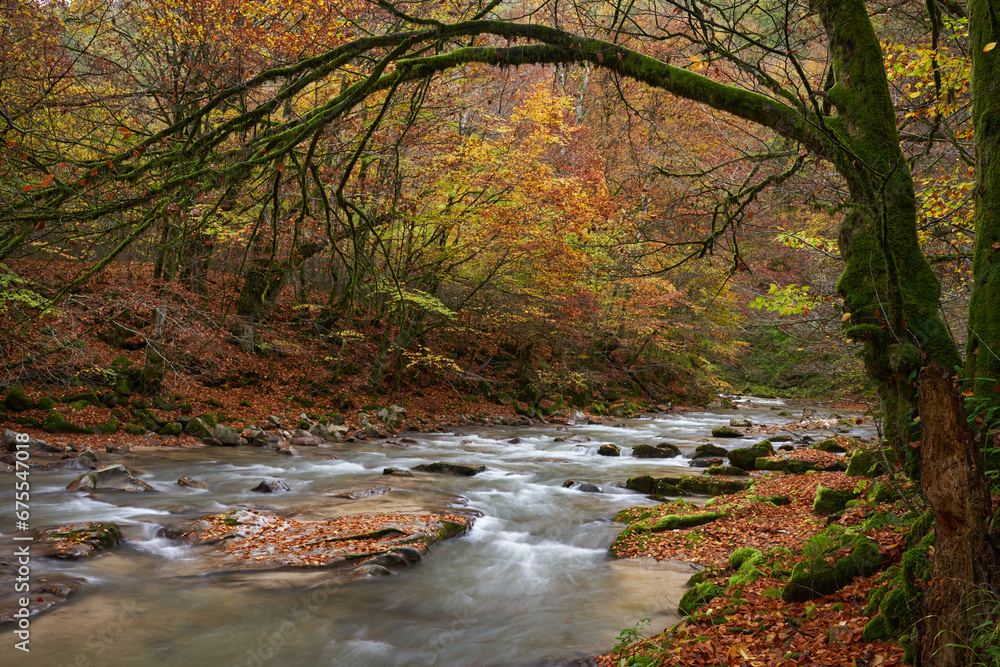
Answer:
(531, 582)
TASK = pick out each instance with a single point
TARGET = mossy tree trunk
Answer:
(265, 278)
(983, 347)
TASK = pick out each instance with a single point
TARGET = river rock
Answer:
(609, 450)
(831, 501)
(270, 486)
(191, 483)
(197, 428)
(709, 449)
(585, 487)
(706, 463)
(737, 422)
(305, 442)
(397, 472)
(357, 494)
(327, 433)
(227, 435)
(685, 484)
(110, 478)
(266, 440)
(463, 469)
(116, 448)
(726, 432)
(746, 456)
(661, 451)
(78, 540)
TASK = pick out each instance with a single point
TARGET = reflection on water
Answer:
(530, 581)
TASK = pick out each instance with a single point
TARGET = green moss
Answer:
(109, 427)
(46, 403)
(743, 554)
(830, 501)
(674, 522)
(56, 423)
(863, 464)
(815, 577)
(90, 396)
(171, 429)
(16, 400)
(698, 596)
(210, 420)
(875, 629)
(214, 402)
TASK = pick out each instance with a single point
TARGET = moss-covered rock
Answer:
(790, 466)
(749, 564)
(685, 484)
(172, 428)
(46, 403)
(709, 450)
(731, 471)
(726, 432)
(55, 422)
(830, 501)
(663, 451)
(673, 522)
(609, 450)
(880, 492)
(79, 540)
(90, 396)
(816, 577)
(837, 445)
(17, 401)
(743, 554)
(698, 597)
(197, 428)
(875, 629)
(109, 427)
(864, 464)
(746, 457)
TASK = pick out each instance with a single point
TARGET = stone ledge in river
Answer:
(110, 478)
(664, 450)
(463, 469)
(684, 485)
(252, 540)
(76, 540)
(44, 592)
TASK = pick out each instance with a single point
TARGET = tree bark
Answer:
(966, 564)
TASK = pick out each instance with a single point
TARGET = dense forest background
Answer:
(549, 233)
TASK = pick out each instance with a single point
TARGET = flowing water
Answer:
(530, 582)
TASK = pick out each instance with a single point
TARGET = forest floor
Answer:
(749, 624)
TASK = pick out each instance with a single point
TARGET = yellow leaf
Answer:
(989, 47)
(845, 317)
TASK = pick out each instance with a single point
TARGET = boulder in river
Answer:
(270, 486)
(609, 450)
(737, 422)
(77, 540)
(110, 478)
(397, 472)
(585, 487)
(227, 435)
(685, 484)
(746, 457)
(463, 469)
(726, 432)
(664, 450)
(709, 449)
(191, 483)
